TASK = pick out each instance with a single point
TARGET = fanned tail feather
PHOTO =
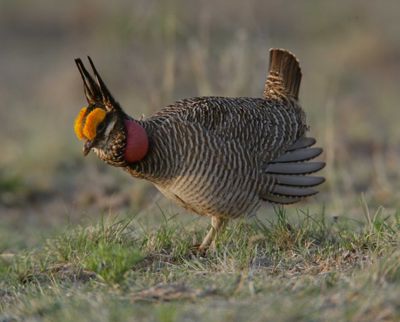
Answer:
(291, 173)
(283, 73)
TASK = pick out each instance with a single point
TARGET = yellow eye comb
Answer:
(88, 130)
(78, 126)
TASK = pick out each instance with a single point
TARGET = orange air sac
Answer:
(137, 142)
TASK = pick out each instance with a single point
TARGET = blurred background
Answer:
(151, 53)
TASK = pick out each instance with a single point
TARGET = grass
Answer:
(296, 267)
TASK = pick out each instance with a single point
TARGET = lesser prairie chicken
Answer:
(216, 156)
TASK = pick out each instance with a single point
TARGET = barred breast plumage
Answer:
(210, 153)
(221, 157)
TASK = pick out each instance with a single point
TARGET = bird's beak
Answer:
(87, 147)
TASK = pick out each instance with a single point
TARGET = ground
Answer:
(301, 267)
(80, 240)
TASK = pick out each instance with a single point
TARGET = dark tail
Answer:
(284, 74)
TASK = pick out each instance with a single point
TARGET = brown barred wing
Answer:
(265, 127)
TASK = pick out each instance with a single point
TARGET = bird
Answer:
(220, 157)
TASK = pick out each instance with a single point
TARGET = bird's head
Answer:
(103, 125)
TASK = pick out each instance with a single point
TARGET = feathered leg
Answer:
(217, 224)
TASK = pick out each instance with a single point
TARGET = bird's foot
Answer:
(198, 250)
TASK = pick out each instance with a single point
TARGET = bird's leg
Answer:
(216, 224)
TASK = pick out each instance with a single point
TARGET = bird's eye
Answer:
(101, 127)
(93, 120)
